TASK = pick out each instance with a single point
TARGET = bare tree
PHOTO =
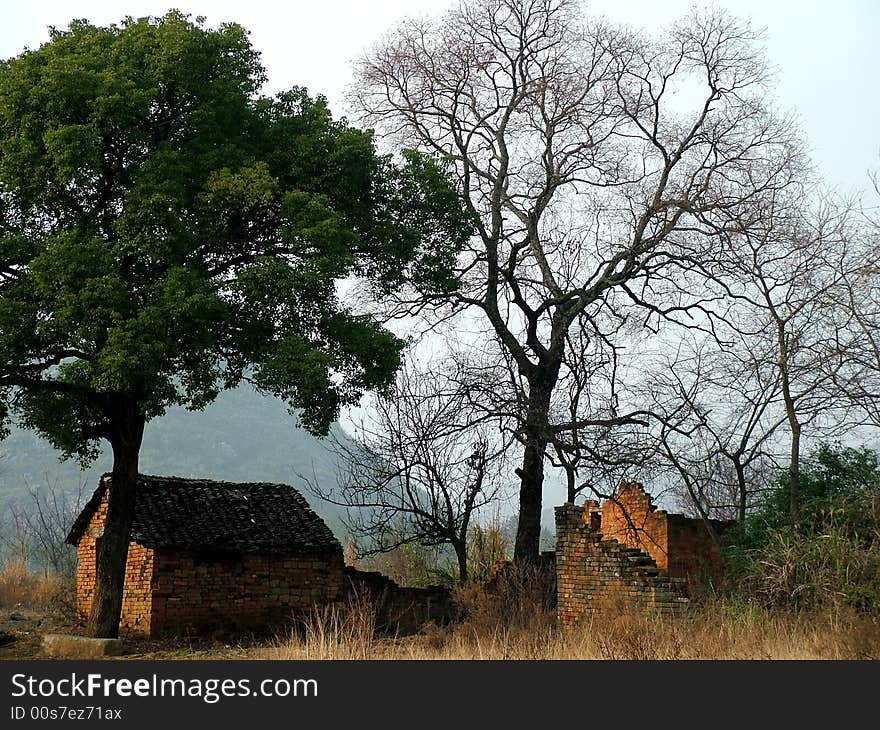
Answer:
(856, 368)
(36, 527)
(787, 268)
(718, 440)
(422, 469)
(592, 191)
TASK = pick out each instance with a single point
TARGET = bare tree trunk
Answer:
(743, 494)
(794, 470)
(113, 545)
(528, 532)
(793, 423)
(462, 557)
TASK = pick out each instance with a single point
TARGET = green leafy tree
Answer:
(166, 231)
(836, 483)
(832, 474)
(829, 556)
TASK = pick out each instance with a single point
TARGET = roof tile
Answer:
(201, 514)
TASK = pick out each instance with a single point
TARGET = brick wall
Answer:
(680, 545)
(631, 518)
(593, 572)
(204, 591)
(693, 555)
(400, 609)
(136, 595)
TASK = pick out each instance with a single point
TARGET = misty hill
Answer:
(242, 436)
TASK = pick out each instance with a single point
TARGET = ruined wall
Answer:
(693, 555)
(680, 545)
(593, 572)
(631, 518)
(136, 596)
(399, 609)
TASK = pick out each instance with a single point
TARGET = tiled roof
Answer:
(200, 514)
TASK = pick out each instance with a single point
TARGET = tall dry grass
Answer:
(333, 631)
(716, 630)
(25, 589)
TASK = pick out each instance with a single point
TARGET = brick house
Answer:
(207, 554)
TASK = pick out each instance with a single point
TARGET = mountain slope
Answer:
(242, 436)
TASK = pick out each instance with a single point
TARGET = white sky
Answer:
(826, 52)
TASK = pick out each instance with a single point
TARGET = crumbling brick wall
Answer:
(631, 518)
(399, 609)
(592, 572)
(680, 545)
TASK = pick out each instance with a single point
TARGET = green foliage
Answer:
(831, 472)
(833, 554)
(166, 231)
(830, 478)
(838, 566)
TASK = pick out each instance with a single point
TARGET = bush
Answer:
(831, 557)
(21, 587)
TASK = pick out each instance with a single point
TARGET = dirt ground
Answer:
(21, 632)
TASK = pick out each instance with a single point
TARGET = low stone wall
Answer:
(399, 609)
(593, 573)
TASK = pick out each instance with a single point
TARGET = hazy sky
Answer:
(826, 52)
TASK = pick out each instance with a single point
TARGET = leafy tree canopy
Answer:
(837, 482)
(166, 231)
(831, 473)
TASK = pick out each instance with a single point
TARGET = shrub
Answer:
(831, 557)
(21, 587)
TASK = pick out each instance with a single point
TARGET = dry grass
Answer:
(334, 631)
(21, 587)
(513, 620)
(719, 630)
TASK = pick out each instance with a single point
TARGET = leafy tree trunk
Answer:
(113, 545)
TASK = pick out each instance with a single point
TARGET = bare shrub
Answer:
(507, 617)
(21, 587)
(620, 632)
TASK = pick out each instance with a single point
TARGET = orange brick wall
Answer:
(630, 518)
(680, 545)
(136, 595)
(595, 574)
